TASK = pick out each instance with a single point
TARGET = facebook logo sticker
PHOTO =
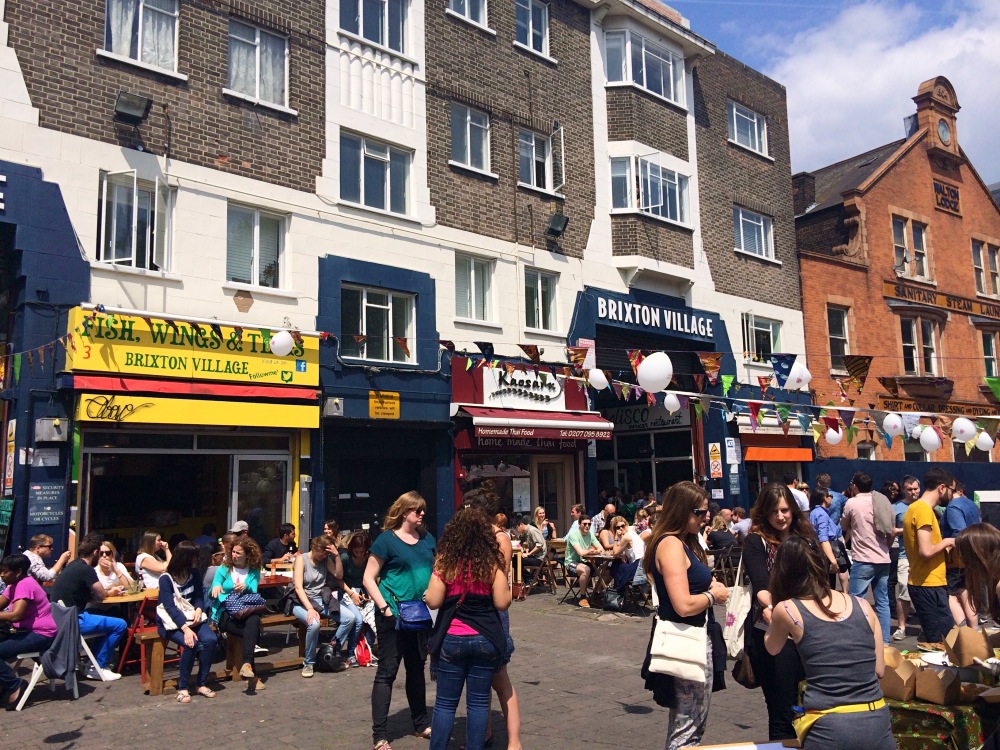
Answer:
(300, 365)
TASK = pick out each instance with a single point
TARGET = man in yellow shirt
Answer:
(928, 583)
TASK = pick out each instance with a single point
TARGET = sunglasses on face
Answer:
(585, 525)
(106, 553)
(701, 512)
(419, 511)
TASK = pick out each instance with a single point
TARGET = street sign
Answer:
(715, 460)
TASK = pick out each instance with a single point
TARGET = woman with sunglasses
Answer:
(110, 572)
(775, 517)
(399, 570)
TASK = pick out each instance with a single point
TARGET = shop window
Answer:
(753, 233)
(747, 128)
(374, 174)
(143, 30)
(134, 219)
(471, 10)
(258, 64)
(473, 288)
(912, 451)
(533, 26)
(990, 353)
(470, 137)
(761, 337)
(675, 444)
(919, 337)
(866, 450)
(656, 190)
(125, 439)
(381, 22)
(836, 318)
(909, 239)
(540, 299)
(633, 58)
(254, 246)
(377, 325)
(633, 446)
(975, 456)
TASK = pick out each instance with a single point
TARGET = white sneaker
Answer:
(260, 650)
(104, 674)
(899, 635)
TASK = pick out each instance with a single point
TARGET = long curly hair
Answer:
(468, 548)
(250, 549)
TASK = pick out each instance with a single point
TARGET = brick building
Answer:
(898, 250)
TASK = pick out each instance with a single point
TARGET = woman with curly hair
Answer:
(775, 517)
(469, 586)
(238, 574)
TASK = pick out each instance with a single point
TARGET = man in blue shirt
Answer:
(960, 513)
(909, 493)
(826, 531)
(835, 511)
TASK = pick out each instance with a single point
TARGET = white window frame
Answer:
(528, 42)
(993, 260)
(914, 449)
(908, 335)
(477, 267)
(753, 323)
(978, 268)
(408, 334)
(279, 281)
(650, 187)
(255, 95)
(920, 260)
(159, 235)
(628, 75)
(913, 233)
(845, 338)
(901, 247)
(928, 346)
(140, 11)
(866, 447)
(744, 219)
(465, 115)
(359, 32)
(532, 140)
(757, 123)
(541, 311)
(990, 354)
(463, 9)
(919, 336)
(383, 152)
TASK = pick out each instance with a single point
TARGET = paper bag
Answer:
(965, 644)
(941, 687)
(899, 682)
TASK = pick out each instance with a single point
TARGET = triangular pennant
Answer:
(697, 410)
(712, 364)
(448, 345)
(817, 430)
(297, 337)
(683, 401)
(831, 423)
(888, 440)
(969, 445)
(577, 354)
(401, 343)
(509, 367)
(617, 388)
(635, 358)
(31, 363)
(783, 411)
(706, 403)
(17, 368)
(994, 385)
(754, 407)
(41, 356)
(890, 385)
(173, 325)
(804, 421)
(485, 347)
(990, 425)
(857, 366)
(532, 351)
(851, 434)
(842, 387)
(239, 334)
(765, 382)
(468, 363)
(847, 415)
(782, 364)
(727, 383)
(651, 399)
(910, 420)
(699, 382)
(216, 329)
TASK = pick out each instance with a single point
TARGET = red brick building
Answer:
(899, 260)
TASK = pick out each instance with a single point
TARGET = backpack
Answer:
(328, 659)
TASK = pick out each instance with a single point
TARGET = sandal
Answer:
(424, 735)
(14, 695)
(382, 745)
(246, 672)
(206, 692)
(183, 696)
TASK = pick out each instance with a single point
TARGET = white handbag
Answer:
(737, 609)
(678, 649)
(186, 608)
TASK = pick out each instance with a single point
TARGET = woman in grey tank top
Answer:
(840, 643)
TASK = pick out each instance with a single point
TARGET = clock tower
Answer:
(937, 106)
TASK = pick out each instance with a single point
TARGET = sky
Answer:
(851, 67)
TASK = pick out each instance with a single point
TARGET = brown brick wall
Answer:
(651, 238)
(730, 174)
(517, 89)
(634, 114)
(75, 90)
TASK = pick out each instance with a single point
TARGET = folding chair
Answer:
(36, 675)
(572, 585)
(724, 570)
(545, 576)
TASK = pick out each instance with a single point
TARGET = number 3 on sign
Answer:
(86, 352)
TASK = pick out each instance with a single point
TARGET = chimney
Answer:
(803, 191)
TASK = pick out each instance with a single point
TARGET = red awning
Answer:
(791, 455)
(527, 423)
(120, 384)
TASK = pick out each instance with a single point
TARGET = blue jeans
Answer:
(349, 629)
(469, 661)
(204, 649)
(875, 575)
(112, 628)
(19, 643)
(312, 631)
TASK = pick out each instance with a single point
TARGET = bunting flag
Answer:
(617, 387)
(888, 440)
(765, 383)
(635, 358)
(448, 345)
(485, 347)
(651, 399)
(509, 367)
(910, 420)
(705, 402)
(857, 366)
(173, 325)
(969, 445)
(468, 363)
(712, 364)
(532, 351)
(198, 329)
(831, 423)
(297, 338)
(31, 363)
(754, 407)
(17, 368)
(401, 343)
(852, 432)
(323, 335)
(994, 385)
(216, 329)
(626, 391)
(727, 383)
(890, 385)
(817, 430)
(683, 401)
(990, 425)
(697, 410)
(41, 356)
(804, 421)
(847, 415)
(576, 354)
(239, 334)
(842, 386)
(782, 364)
(699, 382)
(496, 363)
(782, 412)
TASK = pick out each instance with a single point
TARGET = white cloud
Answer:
(850, 82)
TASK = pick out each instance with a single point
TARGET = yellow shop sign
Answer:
(118, 409)
(151, 347)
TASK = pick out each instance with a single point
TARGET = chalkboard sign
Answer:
(46, 505)
(6, 508)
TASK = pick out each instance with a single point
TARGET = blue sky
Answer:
(851, 67)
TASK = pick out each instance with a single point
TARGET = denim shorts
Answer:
(508, 649)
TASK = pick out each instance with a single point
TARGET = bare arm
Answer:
(925, 548)
(435, 595)
(781, 628)
(16, 611)
(877, 630)
(501, 591)
(673, 564)
(504, 541)
(375, 564)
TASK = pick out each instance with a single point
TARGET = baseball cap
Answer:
(240, 527)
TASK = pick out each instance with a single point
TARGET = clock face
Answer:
(944, 132)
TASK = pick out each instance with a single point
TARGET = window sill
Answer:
(469, 21)
(835, 373)
(143, 66)
(260, 102)
(749, 150)
(467, 168)
(545, 332)
(380, 211)
(989, 297)
(116, 268)
(758, 365)
(236, 286)
(376, 46)
(633, 85)
(745, 254)
(916, 279)
(648, 215)
(536, 53)
(366, 362)
(541, 191)
(478, 323)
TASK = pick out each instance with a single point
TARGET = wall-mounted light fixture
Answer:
(557, 225)
(132, 108)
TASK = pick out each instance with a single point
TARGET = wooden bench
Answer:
(234, 646)
(153, 683)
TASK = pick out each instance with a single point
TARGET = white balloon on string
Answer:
(597, 379)
(655, 372)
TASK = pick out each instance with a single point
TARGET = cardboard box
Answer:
(900, 679)
(940, 686)
(965, 644)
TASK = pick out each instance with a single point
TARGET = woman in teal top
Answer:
(399, 570)
(239, 573)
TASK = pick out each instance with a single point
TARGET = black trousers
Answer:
(931, 605)
(248, 629)
(395, 647)
(893, 579)
(778, 677)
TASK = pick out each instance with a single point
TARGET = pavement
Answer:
(576, 672)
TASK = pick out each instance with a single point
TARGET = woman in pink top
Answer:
(469, 587)
(25, 605)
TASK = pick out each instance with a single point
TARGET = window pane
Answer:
(401, 312)
(374, 179)
(272, 68)
(615, 49)
(399, 166)
(350, 321)
(459, 142)
(538, 22)
(523, 20)
(372, 20)
(143, 227)
(377, 330)
(118, 230)
(481, 290)
(638, 71)
(989, 353)
(547, 302)
(242, 63)
(239, 245)
(531, 299)
(909, 338)
(527, 152)
(397, 21)
(349, 20)
(479, 130)
(463, 287)
(927, 344)
(270, 245)
(620, 183)
(350, 168)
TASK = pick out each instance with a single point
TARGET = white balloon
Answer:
(929, 439)
(655, 372)
(893, 424)
(917, 431)
(963, 429)
(597, 379)
(984, 442)
(282, 343)
(798, 377)
(834, 436)
(671, 403)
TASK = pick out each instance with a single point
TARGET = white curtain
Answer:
(272, 69)
(158, 33)
(121, 20)
(242, 67)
